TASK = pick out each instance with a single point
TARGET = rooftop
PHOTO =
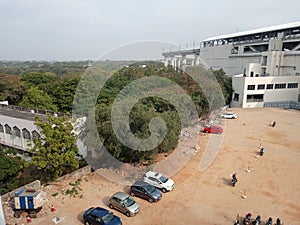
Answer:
(256, 31)
(25, 115)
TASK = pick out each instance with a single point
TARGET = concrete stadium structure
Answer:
(264, 63)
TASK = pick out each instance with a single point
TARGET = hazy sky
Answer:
(86, 29)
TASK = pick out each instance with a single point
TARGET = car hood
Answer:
(116, 221)
(156, 194)
(134, 208)
(169, 184)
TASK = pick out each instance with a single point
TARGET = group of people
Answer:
(248, 220)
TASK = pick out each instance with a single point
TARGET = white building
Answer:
(250, 92)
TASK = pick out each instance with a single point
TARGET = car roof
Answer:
(120, 195)
(99, 212)
(153, 174)
(140, 183)
(216, 127)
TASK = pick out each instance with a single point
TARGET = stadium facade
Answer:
(264, 64)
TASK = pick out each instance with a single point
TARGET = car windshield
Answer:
(163, 179)
(128, 201)
(150, 188)
(107, 218)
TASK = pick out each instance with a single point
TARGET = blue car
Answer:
(100, 216)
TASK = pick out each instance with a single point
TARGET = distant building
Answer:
(264, 64)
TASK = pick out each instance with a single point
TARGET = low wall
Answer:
(33, 185)
(78, 173)
(6, 212)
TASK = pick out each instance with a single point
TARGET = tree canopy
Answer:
(10, 165)
(52, 86)
(12, 88)
(203, 97)
(56, 152)
(37, 99)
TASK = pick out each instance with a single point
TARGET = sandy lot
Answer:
(272, 187)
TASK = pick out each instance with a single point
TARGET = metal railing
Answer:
(284, 104)
(37, 111)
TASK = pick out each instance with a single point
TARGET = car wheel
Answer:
(87, 223)
(150, 200)
(111, 206)
(127, 214)
(164, 190)
(17, 215)
(132, 194)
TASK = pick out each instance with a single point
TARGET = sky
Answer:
(89, 29)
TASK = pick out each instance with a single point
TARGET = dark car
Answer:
(213, 129)
(144, 190)
(100, 216)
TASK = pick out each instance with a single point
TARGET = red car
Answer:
(213, 129)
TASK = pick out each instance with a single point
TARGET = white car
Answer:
(158, 180)
(229, 115)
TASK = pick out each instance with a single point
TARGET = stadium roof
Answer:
(255, 31)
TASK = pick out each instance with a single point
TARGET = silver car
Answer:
(124, 203)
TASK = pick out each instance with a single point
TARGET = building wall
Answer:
(2, 218)
(217, 57)
(234, 59)
(12, 139)
(291, 63)
(240, 86)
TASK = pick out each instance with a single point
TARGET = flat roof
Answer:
(6, 111)
(255, 31)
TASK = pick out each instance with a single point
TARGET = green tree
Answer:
(63, 94)
(36, 78)
(56, 152)
(10, 165)
(225, 83)
(11, 89)
(35, 98)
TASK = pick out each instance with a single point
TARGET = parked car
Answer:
(229, 115)
(124, 203)
(144, 190)
(213, 129)
(158, 180)
(100, 216)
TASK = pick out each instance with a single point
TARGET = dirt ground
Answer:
(272, 186)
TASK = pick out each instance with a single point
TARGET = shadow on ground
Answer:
(80, 216)
(226, 181)
(105, 200)
(126, 189)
